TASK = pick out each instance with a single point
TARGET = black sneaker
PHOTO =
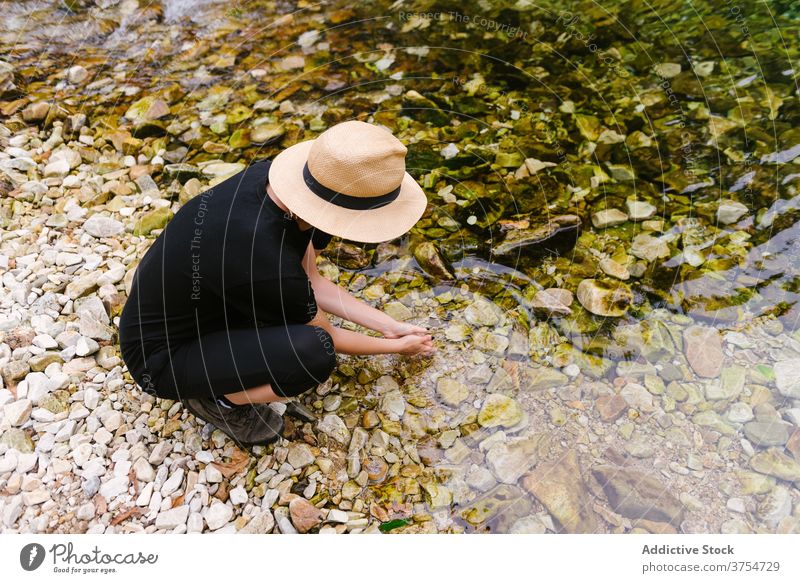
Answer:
(247, 425)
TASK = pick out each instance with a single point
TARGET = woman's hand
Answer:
(413, 344)
(399, 329)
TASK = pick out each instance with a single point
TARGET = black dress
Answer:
(220, 302)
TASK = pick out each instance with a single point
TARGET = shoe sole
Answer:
(236, 440)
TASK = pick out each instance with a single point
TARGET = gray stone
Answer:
(100, 226)
(767, 433)
(635, 494)
(333, 426)
(300, 455)
(787, 377)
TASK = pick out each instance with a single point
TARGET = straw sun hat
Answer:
(351, 182)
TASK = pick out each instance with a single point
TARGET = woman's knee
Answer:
(321, 358)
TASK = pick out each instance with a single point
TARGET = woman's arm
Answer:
(336, 300)
(349, 342)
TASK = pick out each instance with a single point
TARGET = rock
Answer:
(304, 515)
(99, 226)
(486, 341)
(114, 487)
(545, 377)
(528, 525)
(82, 285)
(36, 111)
(730, 385)
(77, 74)
(767, 433)
(393, 405)
(333, 426)
(152, 220)
(86, 346)
(740, 413)
(432, 262)
(300, 455)
(499, 411)
(86, 512)
(635, 494)
(703, 349)
(218, 515)
(774, 462)
(143, 470)
(181, 172)
(480, 478)
(713, 420)
(17, 439)
(787, 377)
(17, 412)
(557, 235)
(637, 397)
(267, 133)
(437, 495)
(58, 168)
(552, 302)
(667, 70)
(649, 248)
(610, 407)
(559, 487)
(41, 361)
(261, 523)
(451, 391)
(730, 211)
(168, 519)
(640, 210)
(398, 311)
(238, 495)
(148, 108)
(491, 506)
(775, 506)
(508, 461)
(614, 269)
(347, 255)
(608, 218)
(604, 299)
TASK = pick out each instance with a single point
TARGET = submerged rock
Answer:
(635, 494)
(703, 349)
(499, 411)
(604, 299)
(433, 262)
(608, 218)
(556, 236)
(552, 302)
(560, 488)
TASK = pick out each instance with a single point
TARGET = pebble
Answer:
(300, 455)
(169, 519)
(304, 515)
(499, 411)
(609, 218)
(218, 515)
(603, 298)
(17, 412)
(333, 426)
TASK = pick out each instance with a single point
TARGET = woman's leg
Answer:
(258, 365)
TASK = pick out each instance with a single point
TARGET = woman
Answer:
(227, 310)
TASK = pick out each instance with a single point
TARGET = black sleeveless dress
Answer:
(220, 301)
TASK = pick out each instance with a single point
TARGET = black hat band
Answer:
(345, 200)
